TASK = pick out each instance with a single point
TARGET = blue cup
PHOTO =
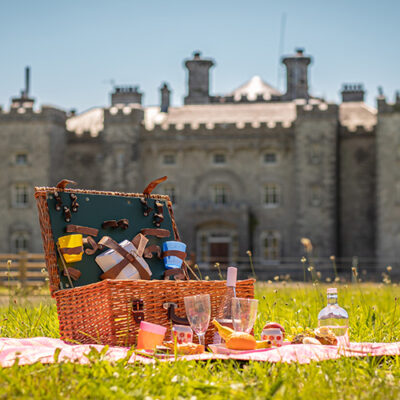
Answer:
(173, 261)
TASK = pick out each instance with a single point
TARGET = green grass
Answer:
(374, 316)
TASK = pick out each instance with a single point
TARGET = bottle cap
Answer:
(231, 277)
(331, 290)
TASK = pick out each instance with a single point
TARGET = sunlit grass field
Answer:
(374, 316)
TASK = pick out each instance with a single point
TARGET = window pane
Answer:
(271, 194)
(21, 159)
(171, 193)
(220, 195)
(271, 246)
(169, 159)
(219, 158)
(20, 195)
(270, 158)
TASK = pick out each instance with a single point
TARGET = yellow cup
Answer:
(71, 247)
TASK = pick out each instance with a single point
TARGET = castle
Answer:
(254, 169)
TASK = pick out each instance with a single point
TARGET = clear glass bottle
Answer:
(224, 316)
(335, 318)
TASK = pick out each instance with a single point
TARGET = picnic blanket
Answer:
(49, 350)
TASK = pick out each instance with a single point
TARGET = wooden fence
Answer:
(26, 269)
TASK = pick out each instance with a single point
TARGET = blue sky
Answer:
(76, 47)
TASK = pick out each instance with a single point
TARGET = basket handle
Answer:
(170, 307)
(151, 186)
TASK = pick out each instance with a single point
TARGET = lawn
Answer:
(374, 316)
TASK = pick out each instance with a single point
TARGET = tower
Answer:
(198, 81)
(296, 75)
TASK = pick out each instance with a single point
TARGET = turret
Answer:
(198, 81)
(353, 92)
(297, 75)
(126, 95)
(165, 94)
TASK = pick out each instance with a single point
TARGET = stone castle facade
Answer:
(254, 169)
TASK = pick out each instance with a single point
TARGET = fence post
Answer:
(22, 266)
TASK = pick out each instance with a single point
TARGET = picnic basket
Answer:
(110, 311)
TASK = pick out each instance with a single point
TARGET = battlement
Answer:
(273, 126)
(385, 107)
(85, 137)
(357, 130)
(122, 112)
(25, 111)
(243, 99)
(304, 108)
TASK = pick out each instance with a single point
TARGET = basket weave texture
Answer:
(103, 312)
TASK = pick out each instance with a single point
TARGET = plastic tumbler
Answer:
(150, 336)
(172, 261)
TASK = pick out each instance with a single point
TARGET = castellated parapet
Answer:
(27, 112)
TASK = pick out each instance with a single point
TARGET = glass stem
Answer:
(201, 337)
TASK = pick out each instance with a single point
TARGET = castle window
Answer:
(220, 194)
(169, 159)
(21, 159)
(20, 241)
(271, 245)
(270, 158)
(20, 193)
(170, 191)
(219, 158)
(272, 195)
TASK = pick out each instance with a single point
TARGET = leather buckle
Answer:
(137, 307)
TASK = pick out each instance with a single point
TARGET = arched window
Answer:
(170, 191)
(271, 245)
(20, 241)
(220, 194)
(272, 195)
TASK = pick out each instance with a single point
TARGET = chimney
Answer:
(126, 95)
(296, 75)
(199, 80)
(352, 92)
(165, 93)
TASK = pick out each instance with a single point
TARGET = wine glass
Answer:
(244, 314)
(198, 311)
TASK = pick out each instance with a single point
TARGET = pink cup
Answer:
(182, 333)
(274, 335)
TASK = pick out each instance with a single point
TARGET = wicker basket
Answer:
(109, 312)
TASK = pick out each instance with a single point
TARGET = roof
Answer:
(357, 113)
(210, 114)
(254, 87)
(89, 121)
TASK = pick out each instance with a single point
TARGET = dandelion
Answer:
(307, 244)
(303, 260)
(216, 265)
(328, 279)
(207, 278)
(250, 255)
(332, 258)
(248, 252)
(276, 278)
(337, 279)
(319, 274)
(310, 268)
(388, 268)
(269, 281)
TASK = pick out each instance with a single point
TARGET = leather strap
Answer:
(128, 258)
(74, 273)
(151, 186)
(95, 246)
(64, 183)
(109, 224)
(177, 273)
(84, 230)
(71, 250)
(160, 233)
(174, 253)
(149, 250)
